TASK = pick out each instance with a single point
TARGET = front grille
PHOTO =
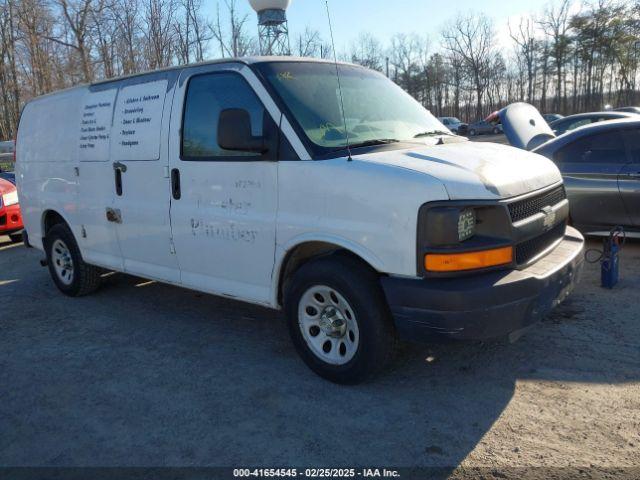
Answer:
(528, 250)
(532, 205)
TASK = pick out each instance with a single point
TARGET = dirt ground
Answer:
(143, 374)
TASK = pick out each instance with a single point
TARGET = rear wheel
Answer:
(472, 133)
(69, 272)
(338, 319)
(496, 131)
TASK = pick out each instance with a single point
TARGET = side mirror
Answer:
(234, 132)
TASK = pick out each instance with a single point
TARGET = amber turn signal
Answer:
(453, 262)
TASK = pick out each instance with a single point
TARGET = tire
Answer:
(496, 131)
(15, 237)
(353, 319)
(472, 133)
(69, 272)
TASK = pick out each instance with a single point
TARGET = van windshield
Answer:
(376, 109)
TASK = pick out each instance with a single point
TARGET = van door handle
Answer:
(118, 178)
(120, 166)
(118, 169)
(175, 184)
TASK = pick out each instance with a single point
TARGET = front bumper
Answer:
(490, 305)
(10, 219)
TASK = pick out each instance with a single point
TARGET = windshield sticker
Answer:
(326, 126)
(285, 76)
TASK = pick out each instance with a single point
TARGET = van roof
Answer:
(246, 60)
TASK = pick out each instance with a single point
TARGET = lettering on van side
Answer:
(229, 232)
(95, 124)
(245, 184)
(235, 206)
(138, 116)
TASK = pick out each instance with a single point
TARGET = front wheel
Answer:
(338, 319)
(70, 273)
(496, 131)
(472, 133)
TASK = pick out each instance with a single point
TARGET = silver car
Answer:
(484, 127)
(571, 122)
(454, 124)
(600, 164)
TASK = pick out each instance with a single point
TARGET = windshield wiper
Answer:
(377, 141)
(432, 133)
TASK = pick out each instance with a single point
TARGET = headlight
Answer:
(10, 198)
(450, 225)
(462, 236)
(466, 224)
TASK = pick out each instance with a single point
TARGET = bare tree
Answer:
(193, 33)
(35, 27)
(78, 17)
(9, 86)
(555, 24)
(128, 33)
(366, 50)
(457, 78)
(561, 59)
(526, 49)
(436, 84)
(159, 32)
(408, 55)
(237, 42)
(310, 44)
(105, 33)
(472, 39)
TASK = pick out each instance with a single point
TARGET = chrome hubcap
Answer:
(62, 262)
(332, 323)
(328, 325)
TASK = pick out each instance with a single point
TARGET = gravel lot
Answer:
(144, 374)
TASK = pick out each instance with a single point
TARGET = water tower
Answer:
(273, 30)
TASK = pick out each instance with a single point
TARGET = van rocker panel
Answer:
(485, 306)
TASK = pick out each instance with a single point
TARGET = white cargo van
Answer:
(243, 178)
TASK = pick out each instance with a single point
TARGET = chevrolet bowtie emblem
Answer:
(549, 217)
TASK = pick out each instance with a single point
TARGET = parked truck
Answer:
(341, 201)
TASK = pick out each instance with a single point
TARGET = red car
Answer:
(10, 217)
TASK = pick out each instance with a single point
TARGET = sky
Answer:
(384, 18)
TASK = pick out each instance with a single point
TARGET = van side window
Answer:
(606, 148)
(207, 95)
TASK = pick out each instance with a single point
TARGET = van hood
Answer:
(474, 170)
(523, 125)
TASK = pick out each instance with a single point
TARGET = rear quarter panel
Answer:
(46, 155)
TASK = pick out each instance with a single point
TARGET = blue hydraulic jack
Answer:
(609, 261)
